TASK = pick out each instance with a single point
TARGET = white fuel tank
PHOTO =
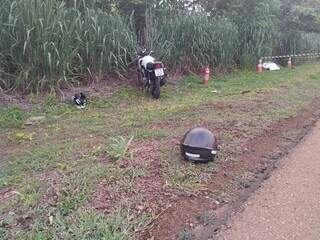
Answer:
(145, 60)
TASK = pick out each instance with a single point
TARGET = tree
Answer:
(300, 15)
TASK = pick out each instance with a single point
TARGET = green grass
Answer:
(123, 179)
(183, 175)
(57, 171)
(118, 148)
(143, 134)
(85, 225)
(12, 117)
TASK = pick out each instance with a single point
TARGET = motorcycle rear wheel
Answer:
(155, 91)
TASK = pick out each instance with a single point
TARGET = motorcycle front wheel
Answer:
(155, 90)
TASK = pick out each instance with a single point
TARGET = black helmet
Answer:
(199, 145)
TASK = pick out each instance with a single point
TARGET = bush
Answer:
(119, 148)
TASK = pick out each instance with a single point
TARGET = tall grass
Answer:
(45, 43)
(258, 31)
(192, 40)
(52, 43)
(294, 42)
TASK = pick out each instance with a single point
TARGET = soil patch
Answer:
(5, 194)
(15, 100)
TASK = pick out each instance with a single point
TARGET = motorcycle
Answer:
(151, 73)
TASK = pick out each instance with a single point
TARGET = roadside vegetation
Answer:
(106, 172)
(52, 44)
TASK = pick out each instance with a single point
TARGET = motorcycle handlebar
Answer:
(145, 54)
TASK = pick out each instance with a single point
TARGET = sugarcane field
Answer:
(159, 120)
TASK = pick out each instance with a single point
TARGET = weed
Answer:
(53, 106)
(3, 181)
(207, 218)
(20, 136)
(185, 234)
(86, 224)
(119, 148)
(185, 175)
(76, 186)
(245, 180)
(12, 117)
(30, 194)
(51, 102)
(4, 233)
(123, 179)
(96, 151)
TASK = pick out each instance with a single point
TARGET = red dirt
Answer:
(6, 194)
(185, 210)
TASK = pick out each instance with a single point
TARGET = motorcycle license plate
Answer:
(159, 72)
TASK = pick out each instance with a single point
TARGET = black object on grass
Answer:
(199, 145)
(80, 100)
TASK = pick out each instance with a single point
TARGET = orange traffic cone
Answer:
(259, 67)
(290, 63)
(206, 76)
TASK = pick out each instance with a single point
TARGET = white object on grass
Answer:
(271, 66)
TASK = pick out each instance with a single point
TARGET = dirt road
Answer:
(287, 206)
